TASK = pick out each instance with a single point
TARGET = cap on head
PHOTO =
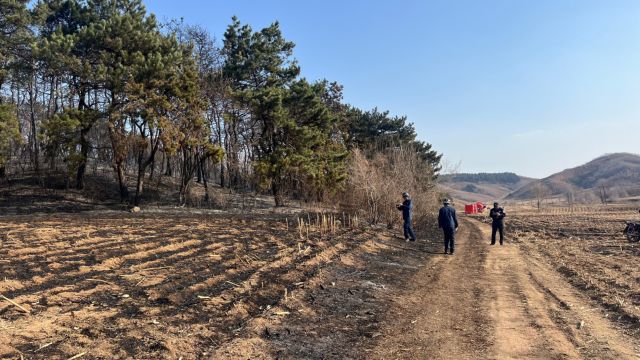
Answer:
(495, 204)
(446, 201)
(405, 194)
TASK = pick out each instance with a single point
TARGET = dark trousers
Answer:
(449, 239)
(495, 227)
(408, 231)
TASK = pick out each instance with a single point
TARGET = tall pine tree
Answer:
(297, 146)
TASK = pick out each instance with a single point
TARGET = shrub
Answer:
(376, 183)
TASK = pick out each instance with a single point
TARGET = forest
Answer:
(102, 84)
(498, 178)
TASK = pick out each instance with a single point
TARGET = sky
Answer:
(532, 87)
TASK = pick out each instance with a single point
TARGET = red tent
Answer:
(470, 209)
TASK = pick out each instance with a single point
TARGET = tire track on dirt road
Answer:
(538, 315)
(523, 327)
(491, 302)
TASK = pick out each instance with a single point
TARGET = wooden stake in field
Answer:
(324, 222)
(77, 356)
(44, 346)
(14, 304)
(300, 221)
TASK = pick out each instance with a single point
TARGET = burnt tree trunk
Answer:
(122, 183)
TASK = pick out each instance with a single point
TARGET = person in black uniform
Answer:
(448, 222)
(497, 216)
(407, 215)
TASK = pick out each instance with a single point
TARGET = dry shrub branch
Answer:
(376, 183)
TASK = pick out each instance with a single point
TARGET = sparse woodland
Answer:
(102, 85)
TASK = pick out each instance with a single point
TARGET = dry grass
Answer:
(376, 185)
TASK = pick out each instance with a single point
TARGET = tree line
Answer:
(102, 82)
(497, 178)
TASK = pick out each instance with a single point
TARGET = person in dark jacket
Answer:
(407, 215)
(497, 224)
(448, 222)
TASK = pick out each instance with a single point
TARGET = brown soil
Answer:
(591, 253)
(170, 285)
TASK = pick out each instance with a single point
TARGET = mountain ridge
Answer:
(612, 176)
(486, 187)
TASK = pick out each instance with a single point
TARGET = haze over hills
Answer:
(616, 176)
(485, 187)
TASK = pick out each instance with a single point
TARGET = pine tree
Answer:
(376, 131)
(14, 34)
(319, 155)
(260, 69)
(122, 71)
(69, 44)
(9, 135)
(298, 145)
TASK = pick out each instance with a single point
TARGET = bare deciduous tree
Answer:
(541, 193)
(375, 184)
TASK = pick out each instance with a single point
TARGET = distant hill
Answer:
(615, 175)
(486, 187)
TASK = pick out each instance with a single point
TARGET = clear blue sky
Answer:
(532, 87)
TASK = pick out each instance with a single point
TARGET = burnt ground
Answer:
(211, 285)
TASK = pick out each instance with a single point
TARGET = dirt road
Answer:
(492, 302)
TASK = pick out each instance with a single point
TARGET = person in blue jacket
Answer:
(497, 215)
(448, 222)
(407, 215)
